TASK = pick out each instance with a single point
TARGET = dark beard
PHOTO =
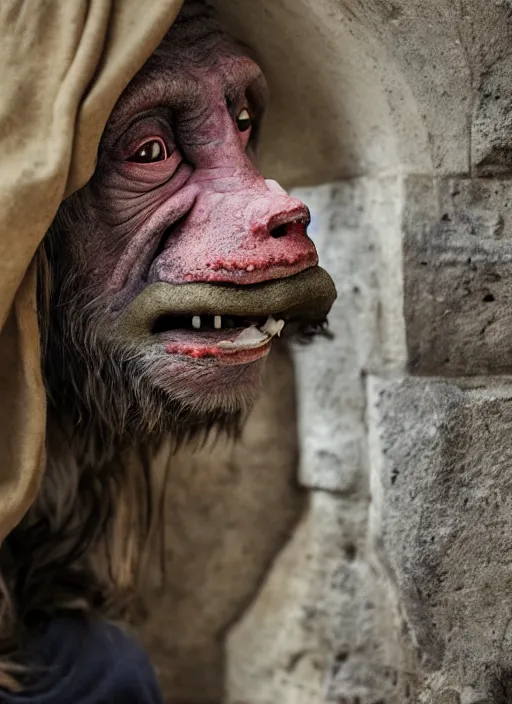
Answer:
(91, 523)
(106, 389)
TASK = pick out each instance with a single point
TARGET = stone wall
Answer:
(356, 548)
(397, 584)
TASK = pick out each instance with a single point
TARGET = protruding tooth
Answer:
(196, 322)
(272, 327)
(217, 322)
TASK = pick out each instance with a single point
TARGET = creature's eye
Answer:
(243, 120)
(149, 152)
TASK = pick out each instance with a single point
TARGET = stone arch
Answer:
(340, 105)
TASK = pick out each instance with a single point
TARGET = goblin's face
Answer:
(188, 261)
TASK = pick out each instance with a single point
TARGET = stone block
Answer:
(324, 627)
(457, 258)
(352, 222)
(441, 523)
(492, 120)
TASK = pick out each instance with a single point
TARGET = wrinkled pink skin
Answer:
(220, 213)
(231, 209)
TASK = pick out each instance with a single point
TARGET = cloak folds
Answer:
(64, 64)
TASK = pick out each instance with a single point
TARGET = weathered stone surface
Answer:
(448, 445)
(381, 85)
(353, 223)
(457, 258)
(316, 631)
(441, 519)
(492, 122)
(339, 106)
(325, 626)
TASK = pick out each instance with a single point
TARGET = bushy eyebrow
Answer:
(158, 87)
(154, 88)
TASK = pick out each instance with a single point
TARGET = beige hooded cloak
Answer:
(64, 63)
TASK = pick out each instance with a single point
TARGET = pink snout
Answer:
(239, 236)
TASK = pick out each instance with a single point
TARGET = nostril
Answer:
(280, 230)
(286, 226)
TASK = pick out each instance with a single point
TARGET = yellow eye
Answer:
(243, 120)
(150, 152)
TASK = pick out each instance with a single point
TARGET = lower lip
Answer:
(223, 356)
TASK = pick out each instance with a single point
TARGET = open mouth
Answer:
(232, 323)
(225, 337)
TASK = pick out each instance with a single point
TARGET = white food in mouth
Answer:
(253, 337)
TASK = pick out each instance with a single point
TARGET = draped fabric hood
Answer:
(64, 65)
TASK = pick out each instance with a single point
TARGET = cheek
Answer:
(128, 212)
(125, 220)
(128, 192)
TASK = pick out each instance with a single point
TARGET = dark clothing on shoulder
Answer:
(83, 662)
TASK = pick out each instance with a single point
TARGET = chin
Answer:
(208, 388)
